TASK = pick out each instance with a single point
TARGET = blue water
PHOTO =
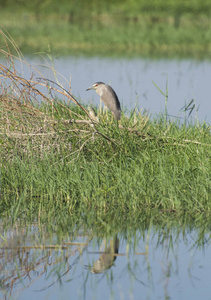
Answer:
(176, 267)
(132, 79)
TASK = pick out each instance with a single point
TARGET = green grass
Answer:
(115, 31)
(53, 156)
(166, 167)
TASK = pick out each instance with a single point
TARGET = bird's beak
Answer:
(90, 88)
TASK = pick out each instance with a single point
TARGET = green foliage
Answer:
(172, 28)
(172, 6)
(167, 167)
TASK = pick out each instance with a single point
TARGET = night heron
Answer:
(109, 97)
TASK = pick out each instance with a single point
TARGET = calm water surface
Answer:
(150, 264)
(133, 80)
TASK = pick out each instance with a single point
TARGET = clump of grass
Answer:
(54, 152)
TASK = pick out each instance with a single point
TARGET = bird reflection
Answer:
(107, 258)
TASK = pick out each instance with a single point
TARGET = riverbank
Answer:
(147, 34)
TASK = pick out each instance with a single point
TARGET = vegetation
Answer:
(53, 152)
(176, 28)
(69, 181)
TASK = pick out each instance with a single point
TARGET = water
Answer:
(133, 80)
(154, 263)
(157, 262)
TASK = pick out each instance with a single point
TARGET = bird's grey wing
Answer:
(110, 99)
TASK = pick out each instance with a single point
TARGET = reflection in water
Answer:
(107, 258)
(28, 254)
(36, 263)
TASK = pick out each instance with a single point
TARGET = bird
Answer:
(108, 96)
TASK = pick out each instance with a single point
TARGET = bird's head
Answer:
(95, 85)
